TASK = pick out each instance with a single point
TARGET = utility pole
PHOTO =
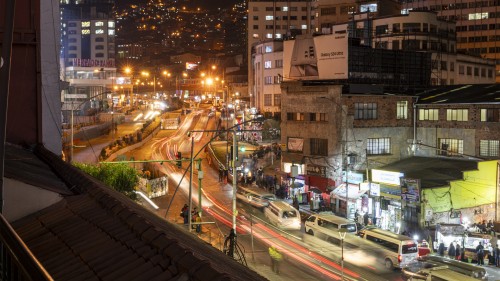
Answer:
(190, 216)
(200, 177)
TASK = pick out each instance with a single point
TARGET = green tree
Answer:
(120, 177)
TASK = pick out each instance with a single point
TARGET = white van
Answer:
(283, 215)
(396, 250)
(440, 273)
(255, 197)
(327, 226)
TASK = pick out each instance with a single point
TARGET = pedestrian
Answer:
(198, 223)
(458, 252)
(451, 251)
(185, 214)
(365, 219)
(276, 258)
(497, 255)
(480, 254)
(441, 249)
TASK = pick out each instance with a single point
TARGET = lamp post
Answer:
(342, 234)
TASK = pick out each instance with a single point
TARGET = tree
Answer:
(120, 177)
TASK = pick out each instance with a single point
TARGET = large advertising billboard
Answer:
(313, 58)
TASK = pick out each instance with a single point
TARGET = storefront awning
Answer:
(353, 195)
(319, 182)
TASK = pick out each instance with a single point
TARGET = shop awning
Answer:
(353, 195)
(320, 183)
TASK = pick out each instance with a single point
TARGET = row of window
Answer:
(97, 55)
(74, 47)
(111, 32)
(382, 146)
(369, 111)
(86, 24)
(268, 100)
(75, 40)
(284, 9)
(432, 114)
(300, 116)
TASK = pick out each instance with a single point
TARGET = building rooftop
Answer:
(96, 233)
(432, 171)
(460, 94)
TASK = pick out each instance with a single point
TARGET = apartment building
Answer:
(422, 32)
(275, 20)
(87, 51)
(267, 75)
(338, 137)
(477, 24)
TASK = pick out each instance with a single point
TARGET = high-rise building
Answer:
(477, 24)
(274, 20)
(87, 52)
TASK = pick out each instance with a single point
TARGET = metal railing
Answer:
(16, 260)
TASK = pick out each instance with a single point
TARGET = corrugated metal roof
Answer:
(99, 234)
(432, 171)
(460, 94)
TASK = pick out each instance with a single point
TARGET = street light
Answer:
(342, 234)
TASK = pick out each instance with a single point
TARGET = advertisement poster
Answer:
(410, 190)
(319, 57)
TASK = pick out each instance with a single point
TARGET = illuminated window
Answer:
(99, 23)
(284, 9)
(478, 16)
(304, 26)
(85, 31)
(278, 36)
(111, 32)
(99, 31)
(451, 146)
(378, 146)
(402, 110)
(269, 17)
(428, 114)
(267, 64)
(269, 49)
(457, 115)
(255, 36)
(85, 23)
(111, 24)
(269, 36)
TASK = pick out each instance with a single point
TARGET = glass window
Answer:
(453, 146)
(269, 17)
(277, 100)
(268, 49)
(267, 64)
(402, 110)
(489, 148)
(85, 23)
(489, 115)
(428, 114)
(409, 248)
(268, 80)
(365, 111)
(319, 147)
(457, 114)
(268, 100)
(378, 146)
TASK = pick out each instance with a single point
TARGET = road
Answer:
(306, 257)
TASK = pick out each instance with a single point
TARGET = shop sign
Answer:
(354, 178)
(373, 188)
(314, 170)
(386, 177)
(295, 144)
(410, 190)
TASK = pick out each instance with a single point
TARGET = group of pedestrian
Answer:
(223, 174)
(454, 250)
(195, 217)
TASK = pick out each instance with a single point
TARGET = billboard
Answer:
(313, 58)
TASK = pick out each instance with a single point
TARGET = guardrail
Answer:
(17, 261)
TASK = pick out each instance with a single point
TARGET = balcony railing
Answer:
(16, 260)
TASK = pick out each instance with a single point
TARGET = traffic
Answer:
(309, 240)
